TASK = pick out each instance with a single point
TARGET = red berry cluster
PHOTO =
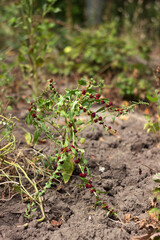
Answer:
(77, 160)
(70, 125)
(93, 190)
(97, 96)
(51, 84)
(65, 149)
(120, 111)
(68, 149)
(99, 119)
(93, 115)
(83, 175)
(32, 109)
(109, 104)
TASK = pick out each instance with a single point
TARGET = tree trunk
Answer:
(94, 11)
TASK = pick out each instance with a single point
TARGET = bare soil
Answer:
(123, 165)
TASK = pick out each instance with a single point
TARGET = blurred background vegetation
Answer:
(117, 41)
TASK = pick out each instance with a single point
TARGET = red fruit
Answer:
(117, 109)
(34, 115)
(83, 92)
(80, 107)
(55, 165)
(102, 101)
(93, 114)
(51, 80)
(61, 162)
(107, 105)
(91, 96)
(98, 96)
(109, 127)
(100, 118)
(75, 131)
(110, 103)
(62, 149)
(84, 175)
(92, 190)
(70, 125)
(77, 160)
(58, 158)
(73, 146)
(121, 112)
(95, 120)
(84, 110)
(29, 109)
(101, 123)
(106, 207)
(89, 185)
(31, 103)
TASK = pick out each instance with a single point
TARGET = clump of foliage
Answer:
(35, 37)
(153, 124)
(95, 51)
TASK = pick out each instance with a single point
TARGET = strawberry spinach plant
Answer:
(59, 118)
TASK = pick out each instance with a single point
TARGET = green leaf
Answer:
(36, 135)
(156, 177)
(63, 114)
(29, 119)
(17, 188)
(67, 168)
(84, 160)
(79, 122)
(48, 184)
(82, 140)
(113, 119)
(100, 109)
(28, 138)
(88, 171)
(152, 99)
(154, 212)
(156, 190)
(82, 82)
(74, 104)
(34, 209)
